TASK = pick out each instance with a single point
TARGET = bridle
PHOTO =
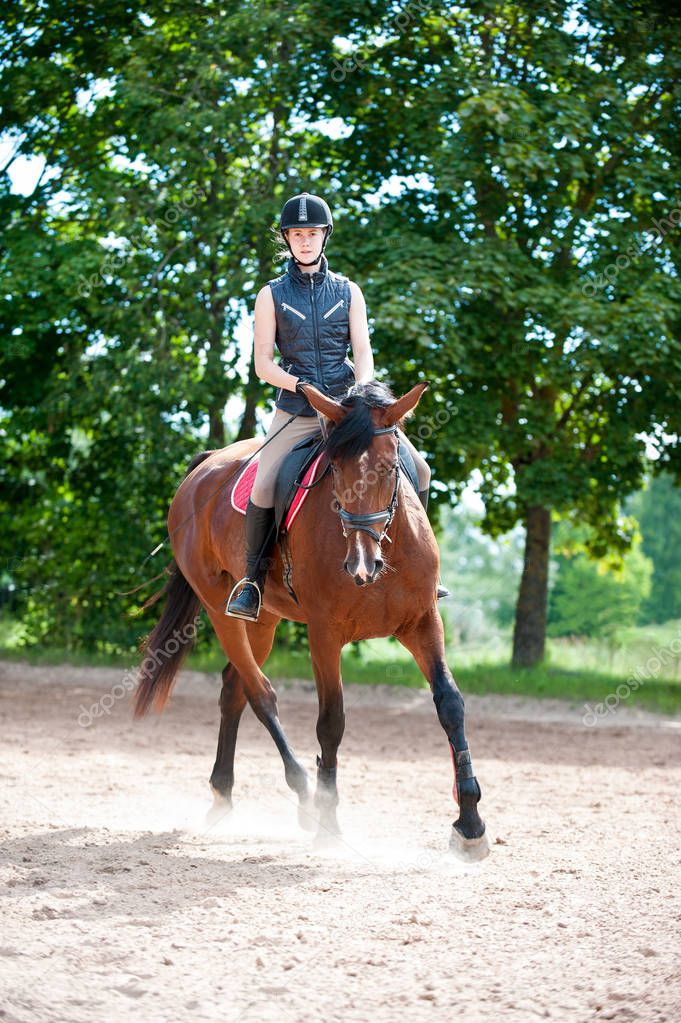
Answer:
(351, 521)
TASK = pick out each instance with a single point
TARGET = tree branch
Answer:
(573, 404)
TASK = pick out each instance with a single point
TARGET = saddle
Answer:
(305, 464)
(302, 464)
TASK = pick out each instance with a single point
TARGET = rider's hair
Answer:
(281, 250)
(279, 246)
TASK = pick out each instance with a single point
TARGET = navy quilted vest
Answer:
(313, 332)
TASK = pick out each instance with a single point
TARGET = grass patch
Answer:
(662, 695)
(77, 658)
(367, 668)
(384, 661)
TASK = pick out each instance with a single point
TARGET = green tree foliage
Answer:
(595, 597)
(658, 510)
(532, 271)
(490, 167)
(481, 572)
(168, 132)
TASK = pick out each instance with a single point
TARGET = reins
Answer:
(311, 486)
(325, 437)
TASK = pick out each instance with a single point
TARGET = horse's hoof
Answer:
(470, 850)
(308, 818)
(221, 808)
(327, 838)
(219, 796)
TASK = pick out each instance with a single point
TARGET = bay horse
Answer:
(347, 590)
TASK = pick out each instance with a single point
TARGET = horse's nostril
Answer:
(378, 565)
(346, 566)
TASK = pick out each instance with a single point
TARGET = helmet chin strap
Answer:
(312, 263)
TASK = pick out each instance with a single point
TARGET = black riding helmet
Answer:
(306, 210)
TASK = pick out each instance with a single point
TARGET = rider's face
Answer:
(306, 242)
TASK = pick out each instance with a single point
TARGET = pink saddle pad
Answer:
(244, 484)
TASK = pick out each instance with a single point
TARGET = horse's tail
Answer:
(198, 459)
(167, 646)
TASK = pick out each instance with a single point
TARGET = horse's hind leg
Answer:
(235, 639)
(425, 641)
(325, 655)
(232, 702)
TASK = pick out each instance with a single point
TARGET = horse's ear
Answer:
(400, 408)
(327, 406)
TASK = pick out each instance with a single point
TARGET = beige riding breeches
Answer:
(271, 456)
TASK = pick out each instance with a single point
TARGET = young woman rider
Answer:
(312, 316)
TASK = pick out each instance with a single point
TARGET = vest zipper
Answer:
(285, 305)
(315, 328)
(333, 308)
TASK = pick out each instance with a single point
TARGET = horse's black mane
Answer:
(356, 432)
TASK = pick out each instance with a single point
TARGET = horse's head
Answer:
(362, 446)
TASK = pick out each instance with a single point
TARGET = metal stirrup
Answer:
(251, 582)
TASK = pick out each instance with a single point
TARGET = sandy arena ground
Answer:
(121, 902)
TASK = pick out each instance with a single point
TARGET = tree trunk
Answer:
(216, 428)
(529, 633)
(248, 424)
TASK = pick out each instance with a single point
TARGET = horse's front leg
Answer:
(232, 703)
(425, 641)
(325, 652)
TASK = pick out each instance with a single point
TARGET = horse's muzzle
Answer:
(361, 572)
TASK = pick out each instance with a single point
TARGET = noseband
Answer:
(351, 521)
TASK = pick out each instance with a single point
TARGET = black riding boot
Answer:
(442, 591)
(259, 537)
